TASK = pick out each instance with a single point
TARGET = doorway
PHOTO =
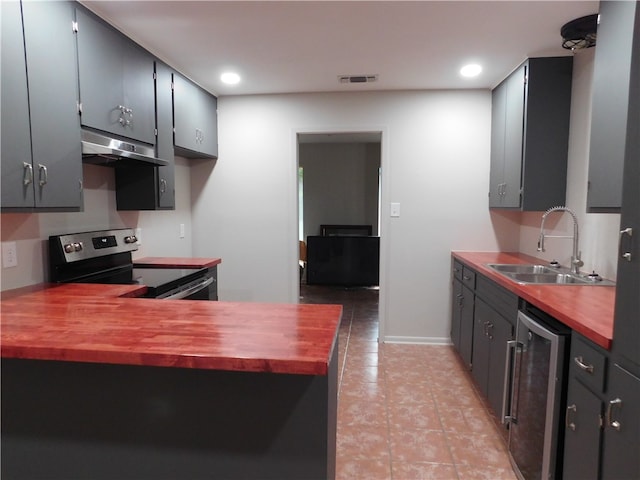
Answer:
(340, 185)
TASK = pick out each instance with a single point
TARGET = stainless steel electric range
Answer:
(105, 257)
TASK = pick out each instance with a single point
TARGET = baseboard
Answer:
(418, 340)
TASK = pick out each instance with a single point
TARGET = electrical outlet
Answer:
(395, 209)
(9, 254)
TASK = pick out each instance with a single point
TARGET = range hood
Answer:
(99, 149)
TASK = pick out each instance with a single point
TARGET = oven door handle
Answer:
(187, 291)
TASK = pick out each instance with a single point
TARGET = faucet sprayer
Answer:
(576, 262)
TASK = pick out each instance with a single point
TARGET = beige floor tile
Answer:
(480, 450)
(423, 471)
(367, 469)
(417, 445)
(468, 472)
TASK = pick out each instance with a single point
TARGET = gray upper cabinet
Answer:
(152, 188)
(626, 334)
(41, 157)
(195, 120)
(116, 81)
(530, 135)
(611, 96)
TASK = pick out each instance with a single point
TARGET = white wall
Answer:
(435, 163)
(160, 230)
(340, 184)
(598, 232)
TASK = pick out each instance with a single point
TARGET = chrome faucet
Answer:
(576, 263)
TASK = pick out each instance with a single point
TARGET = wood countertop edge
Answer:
(534, 293)
(176, 262)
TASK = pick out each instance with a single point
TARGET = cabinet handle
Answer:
(44, 174)
(610, 421)
(627, 231)
(583, 366)
(163, 185)
(567, 419)
(489, 330)
(28, 173)
(460, 298)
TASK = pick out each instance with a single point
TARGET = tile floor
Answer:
(405, 411)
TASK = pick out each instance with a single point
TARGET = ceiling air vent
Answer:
(357, 78)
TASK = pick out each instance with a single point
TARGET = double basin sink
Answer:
(544, 275)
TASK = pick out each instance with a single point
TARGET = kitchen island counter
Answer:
(97, 384)
(587, 309)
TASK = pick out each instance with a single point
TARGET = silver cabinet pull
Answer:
(567, 419)
(44, 174)
(28, 173)
(629, 232)
(163, 185)
(610, 421)
(583, 366)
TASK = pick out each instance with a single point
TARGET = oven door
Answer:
(200, 289)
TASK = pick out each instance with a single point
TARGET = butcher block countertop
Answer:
(103, 324)
(176, 262)
(586, 309)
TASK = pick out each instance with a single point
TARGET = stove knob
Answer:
(78, 246)
(68, 248)
(130, 239)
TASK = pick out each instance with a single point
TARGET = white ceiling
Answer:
(303, 46)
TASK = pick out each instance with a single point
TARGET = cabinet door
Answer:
(466, 326)
(209, 119)
(621, 443)
(514, 131)
(456, 312)
(626, 332)
(186, 108)
(499, 332)
(611, 81)
(164, 140)
(498, 111)
(16, 139)
(53, 95)
(481, 320)
(582, 433)
(116, 81)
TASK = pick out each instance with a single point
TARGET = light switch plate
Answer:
(182, 230)
(395, 209)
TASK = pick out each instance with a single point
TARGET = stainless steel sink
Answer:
(543, 275)
(517, 268)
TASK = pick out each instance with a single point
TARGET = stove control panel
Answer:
(81, 246)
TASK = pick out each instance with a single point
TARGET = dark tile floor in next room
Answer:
(405, 411)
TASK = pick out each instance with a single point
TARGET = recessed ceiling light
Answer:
(230, 78)
(471, 70)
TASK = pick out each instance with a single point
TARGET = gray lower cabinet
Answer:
(462, 307)
(530, 135)
(617, 28)
(195, 120)
(41, 157)
(583, 433)
(491, 332)
(152, 188)
(584, 411)
(116, 81)
(621, 443)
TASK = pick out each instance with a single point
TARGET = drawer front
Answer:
(457, 270)
(501, 299)
(469, 277)
(587, 363)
